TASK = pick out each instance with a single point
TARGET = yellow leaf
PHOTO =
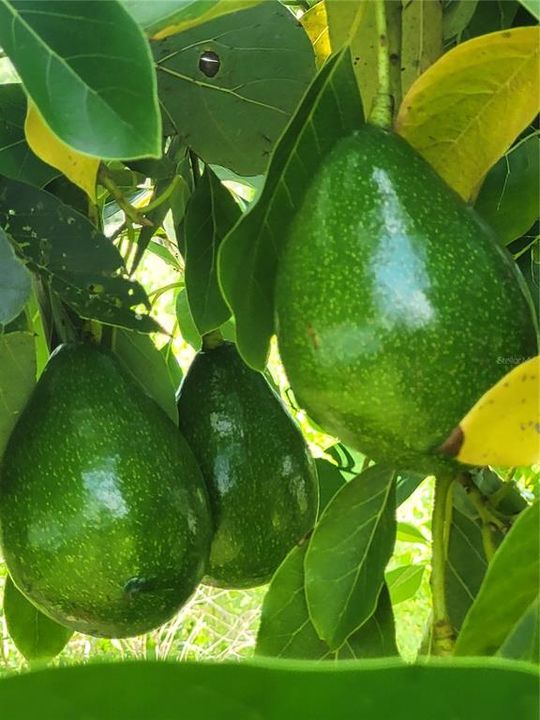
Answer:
(503, 428)
(80, 169)
(316, 26)
(214, 11)
(465, 111)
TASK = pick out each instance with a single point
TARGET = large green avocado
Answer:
(104, 514)
(396, 307)
(260, 475)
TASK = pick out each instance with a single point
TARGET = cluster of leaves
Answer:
(193, 137)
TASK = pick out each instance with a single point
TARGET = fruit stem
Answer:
(212, 340)
(383, 105)
(442, 631)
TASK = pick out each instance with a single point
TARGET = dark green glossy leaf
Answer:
(88, 68)
(230, 85)
(271, 689)
(210, 214)
(523, 641)
(17, 161)
(17, 379)
(376, 637)
(509, 587)
(35, 635)
(249, 254)
(330, 481)
(348, 552)
(80, 263)
(465, 566)
(508, 199)
(404, 581)
(141, 357)
(286, 629)
(15, 282)
(160, 14)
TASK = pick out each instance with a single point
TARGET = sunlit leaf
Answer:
(503, 428)
(452, 114)
(80, 169)
(276, 689)
(404, 581)
(35, 635)
(315, 23)
(510, 585)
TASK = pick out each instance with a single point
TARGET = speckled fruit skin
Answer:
(396, 307)
(260, 475)
(104, 514)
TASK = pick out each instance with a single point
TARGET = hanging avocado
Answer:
(104, 515)
(396, 308)
(260, 475)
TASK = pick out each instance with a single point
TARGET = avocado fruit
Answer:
(260, 475)
(396, 308)
(105, 521)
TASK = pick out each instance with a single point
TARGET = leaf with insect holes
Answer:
(452, 113)
(80, 263)
(229, 86)
(249, 254)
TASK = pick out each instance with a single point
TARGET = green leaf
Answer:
(508, 199)
(35, 635)
(404, 581)
(330, 481)
(348, 551)
(275, 689)
(17, 161)
(15, 282)
(164, 17)
(422, 35)
(509, 587)
(406, 485)
(17, 379)
(376, 637)
(490, 16)
(88, 69)
(523, 641)
(173, 368)
(187, 327)
(144, 361)
(457, 15)
(232, 108)
(533, 6)
(80, 263)
(210, 215)
(410, 533)
(249, 254)
(465, 566)
(286, 629)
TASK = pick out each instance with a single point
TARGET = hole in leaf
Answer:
(209, 63)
